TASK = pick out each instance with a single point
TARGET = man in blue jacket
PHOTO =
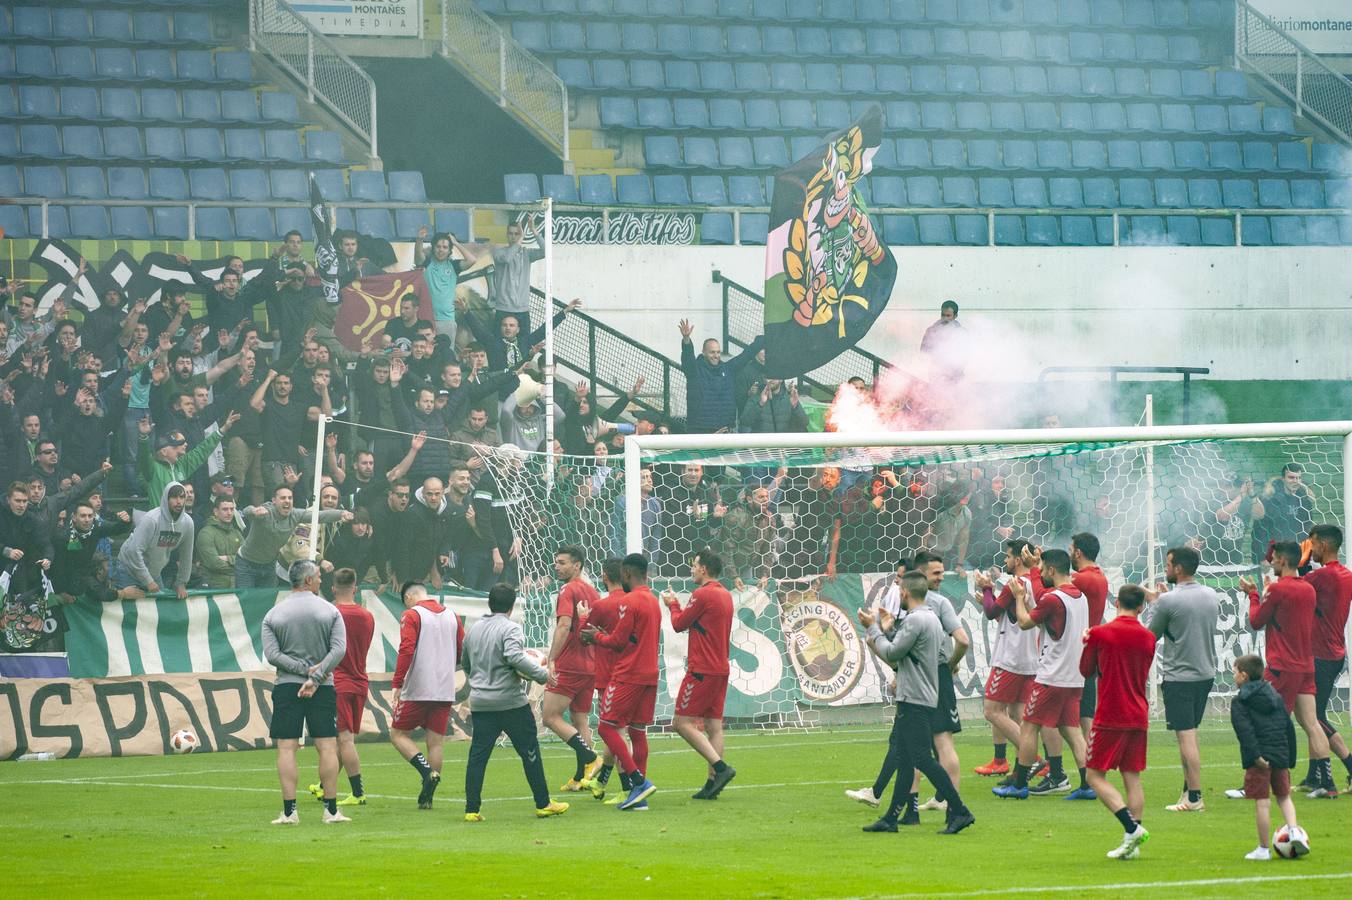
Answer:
(711, 404)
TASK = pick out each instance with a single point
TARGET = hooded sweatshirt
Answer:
(523, 428)
(154, 539)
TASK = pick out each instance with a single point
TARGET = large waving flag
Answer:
(828, 274)
(326, 255)
(370, 302)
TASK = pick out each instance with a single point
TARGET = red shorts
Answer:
(701, 696)
(1259, 784)
(1003, 686)
(1054, 707)
(577, 687)
(430, 715)
(350, 707)
(1289, 684)
(628, 704)
(1116, 748)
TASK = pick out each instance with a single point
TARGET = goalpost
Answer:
(844, 507)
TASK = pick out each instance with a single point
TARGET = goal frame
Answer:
(634, 447)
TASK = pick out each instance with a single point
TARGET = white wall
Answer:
(1248, 313)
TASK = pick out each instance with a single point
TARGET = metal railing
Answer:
(990, 213)
(1114, 371)
(611, 360)
(1291, 69)
(328, 75)
(486, 54)
(744, 321)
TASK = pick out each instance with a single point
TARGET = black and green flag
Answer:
(828, 274)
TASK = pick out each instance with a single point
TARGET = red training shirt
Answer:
(575, 657)
(709, 620)
(1287, 613)
(605, 613)
(1049, 611)
(1006, 599)
(635, 637)
(1332, 585)
(410, 626)
(1094, 586)
(1120, 652)
(350, 675)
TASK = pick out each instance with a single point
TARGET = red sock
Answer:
(639, 738)
(616, 745)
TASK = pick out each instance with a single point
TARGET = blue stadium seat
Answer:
(973, 116)
(1136, 193)
(123, 142)
(984, 43)
(370, 186)
(58, 223)
(1260, 155)
(9, 141)
(948, 153)
(900, 230)
(797, 114)
(726, 112)
(562, 188)
(1171, 193)
(1256, 231)
(883, 42)
(993, 192)
(233, 65)
(289, 184)
(576, 73)
(203, 105)
(1019, 154)
(43, 181)
(1047, 47)
(113, 63)
(1143, 117)
(634, 189)
(1078, 231)
(834, 114)
(1307, 193)
(661, 151)
(715, 228)
(292, 219)
(699, 152)
(1053, 155)
(203, 145)
(171, 222)
(158, 65)
(769, 152)
(31, 22)
(889, 190)
(86, 181)
(914, 153)
(1197, 83)
(619, 112)
(1288, 231)
(638, 37)
(1091, 155)
(1225, 155)
(598, 189)
(1218, 232)
(214, 224)
(37, 101)
(71, 24)
(112, 25)
(236, 106)
(937, 115)
(1043, 231)
(753, 228)
(126, 183)
(408, 221)
(33, 62)
(1065, 192)
(1293, 156)
(970, 230)
(1274, 193)
(254, 223)
(1144, 230)
(331, 183)
(923, 190)
(407, 187)
(280, 106)
(959, 191)
(1030, 192)
(936, 230)
(1244, 119)
(735, 153)
(131, 223)
(684, 112)
(671, 190)
(1006, 116)
(1204, 192)
(708, 190)
(751, 76)
(89, 222)
(1008, 231)
(325, 146)
(1184, 230)
(1124, 155)
(279, 144)
(453, 221)
(857, 79)
(532, 35)
(1232, 84)
(160, 104)
(193, 27)
(40, 142)
(1278, 120)
(151, 28)
(1176, 117)
(1239, 193)
(1157, 155)
(1109, 116)
(1322, 230)
(603, 36)
(249, 184)
(375, 223)
(1190, 155)
(522, 188)
(748, 190)
(208, 184)
(165, 143)
(762, 114)
(892, 79)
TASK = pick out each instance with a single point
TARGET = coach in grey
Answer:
(494, 657)
(1183, 619)
(914, 648)
(304, 638)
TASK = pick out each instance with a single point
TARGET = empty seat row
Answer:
(76, 24)
(698, 152)
(79, 63)
(704, 190)
(129, 104)
(1143, 230)
(684, 41)
(717, 76)
(763, 114)
(181, 145)
(217, 223)
(134, 183)
(1170, 14)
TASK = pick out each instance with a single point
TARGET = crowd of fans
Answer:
(208, 423)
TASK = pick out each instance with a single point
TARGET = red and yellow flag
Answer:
(368, 303)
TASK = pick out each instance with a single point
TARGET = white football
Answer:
(1291, 842)
(183, 741)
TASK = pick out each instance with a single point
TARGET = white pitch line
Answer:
(1116, 886)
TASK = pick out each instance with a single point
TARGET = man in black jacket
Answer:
(74, 573)
(505, 344)
(25, 546)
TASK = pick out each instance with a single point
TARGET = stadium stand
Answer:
(999, 103)
(142, 100)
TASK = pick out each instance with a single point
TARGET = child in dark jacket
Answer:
(1267, 750)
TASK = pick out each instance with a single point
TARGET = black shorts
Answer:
(1089, 697)
(292, 713)
(944, 719)
(1185, 703)
(1326, 672)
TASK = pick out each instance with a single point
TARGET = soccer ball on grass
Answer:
(1291, 842)
(183, 741)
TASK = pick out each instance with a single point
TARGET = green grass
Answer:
(198, 825)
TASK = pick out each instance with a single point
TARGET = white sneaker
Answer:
(1235, 793)
(1186, 805)
(1130, 848)
(1259, 853)
(335, 817)
(935, 803)
(863, 795)
(293, 819)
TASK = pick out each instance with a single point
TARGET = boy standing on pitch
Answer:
(1267, 748)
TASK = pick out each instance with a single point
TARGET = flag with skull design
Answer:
(828, 274)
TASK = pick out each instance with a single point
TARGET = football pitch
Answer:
(199, 825)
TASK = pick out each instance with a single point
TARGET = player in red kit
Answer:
(604, 612)
(1089, 578)
(571, 678)
(1332, 583)
(1287, 615)
(631, 696)
(349, 680)
(708, 619)
(1120, 654)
